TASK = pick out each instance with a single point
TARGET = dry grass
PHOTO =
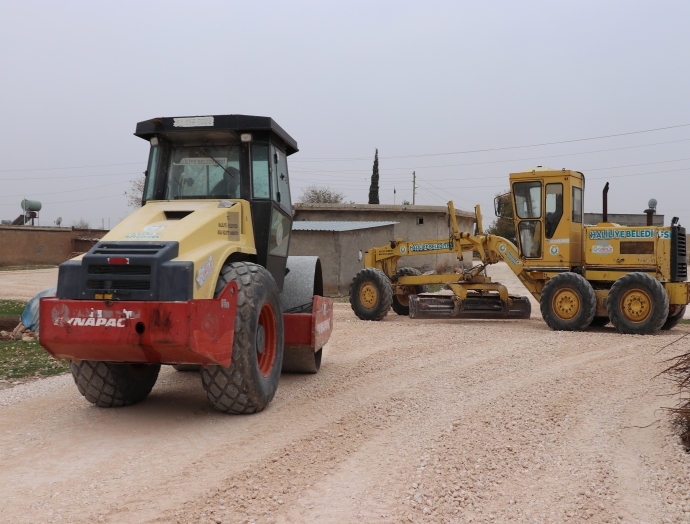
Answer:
(679, 373)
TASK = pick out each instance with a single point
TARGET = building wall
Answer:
(339, 252)
(26, 245)
(435, 226)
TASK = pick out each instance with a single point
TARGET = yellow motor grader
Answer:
(633, 277)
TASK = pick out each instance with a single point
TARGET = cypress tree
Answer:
(374, 187)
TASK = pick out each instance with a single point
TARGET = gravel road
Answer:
(408, 421)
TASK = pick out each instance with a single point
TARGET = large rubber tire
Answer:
(637, 304)
(250, 382)
(403, 307)
(599, 322)
(371, 294)
(112, 384)
(673, 317)
(568, 302)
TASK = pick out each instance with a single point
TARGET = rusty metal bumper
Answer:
(192, 332)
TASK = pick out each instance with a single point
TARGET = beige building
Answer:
(411, 223)
(340, 246)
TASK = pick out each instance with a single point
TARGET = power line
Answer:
(70, 201)
(396, 180)
(410, 168)
(383, 184)
(72, 167)
(588, 178)
(70, 176)
(58, 192)
(505, 148)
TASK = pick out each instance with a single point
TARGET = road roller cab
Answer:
(198, 277)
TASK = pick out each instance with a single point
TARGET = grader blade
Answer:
(428, 306)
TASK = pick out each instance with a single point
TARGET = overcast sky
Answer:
(344, 78)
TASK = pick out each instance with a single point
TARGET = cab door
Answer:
(271, 208)
(528, 217)
(281, 216)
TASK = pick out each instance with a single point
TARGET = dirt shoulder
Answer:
(24, 285)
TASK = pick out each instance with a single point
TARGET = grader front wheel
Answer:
(371, 294)
(401, 303)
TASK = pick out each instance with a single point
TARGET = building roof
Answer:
(336, 225)
(299, 206)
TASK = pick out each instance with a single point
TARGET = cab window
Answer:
(527, 199)
(577, 205)
(260, 171)
(530, 238)
(553, 208)
(151, 172)
(203, 172)
(281, 184)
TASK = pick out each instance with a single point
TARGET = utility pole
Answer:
(414, 186)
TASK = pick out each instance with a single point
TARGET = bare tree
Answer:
(81, 224)
(321, 195)
(135, 192)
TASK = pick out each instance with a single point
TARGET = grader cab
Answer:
(199, 277)
(633, 277)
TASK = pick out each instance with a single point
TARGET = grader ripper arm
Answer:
(473, 293)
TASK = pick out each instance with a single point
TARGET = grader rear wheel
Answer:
(637, 304)
(568, 302)
(371, 294)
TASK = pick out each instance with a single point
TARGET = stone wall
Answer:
(50, 246)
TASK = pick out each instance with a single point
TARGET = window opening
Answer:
(420, 221)
(577, 205)
(530, 238)
(553, 208)
(203, 172)
(151, 172)
(527, 199)
(281, 183)
(261, 187)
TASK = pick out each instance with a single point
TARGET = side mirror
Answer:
(503, 206)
